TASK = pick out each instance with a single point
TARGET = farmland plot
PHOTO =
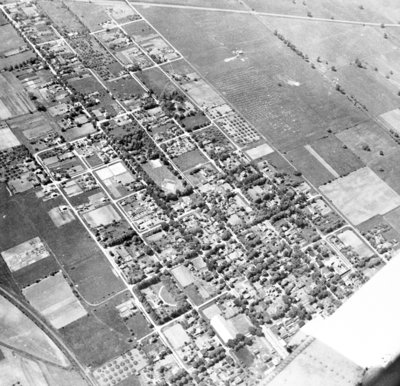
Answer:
(268, 83)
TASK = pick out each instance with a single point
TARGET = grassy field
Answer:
(340, 45)
(93, 341)
(309, 166)
(341, 159)
(258, 85)
(369, 142)
(25, 216)
(54, 299)
(190, 159)
(62, 17)
(157, 81)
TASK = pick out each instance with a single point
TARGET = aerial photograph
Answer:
(199, 192)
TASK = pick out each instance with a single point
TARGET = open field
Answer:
(340, 45)
(155, 80)
(14, 100)
(161, 175)
(25, 216)
(53, 298)
(341, 159)
(361, 195)
(16, 369)
(18, 331)
(367, 141)
(310, 167)
(258, 85)
(393, 218)
(391, 119)
(7, 139)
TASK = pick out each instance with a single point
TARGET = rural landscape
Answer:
(198, 192)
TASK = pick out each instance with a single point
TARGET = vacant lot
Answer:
(361, 195)
(258, 85)
(25, 216)
(53, 298)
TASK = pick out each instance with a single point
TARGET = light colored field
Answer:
(392, 119)
(318, 365)
(101, 216)
(203, 94)
(361, 195)
(183, 276)
(322, 161)
(10, 40)
(7, 139)
(349, 238)
(54, 299)
(25, 254)
(259, 151)
(177, 336)
(365, 328)
(18, 331)
(61, 215)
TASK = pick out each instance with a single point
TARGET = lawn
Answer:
(157, 81)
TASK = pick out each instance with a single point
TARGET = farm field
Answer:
(30, 129)
(388, 168)
(227, 4)
(391, 120)
(313, 170)
(14, 100)
(54, 299)
(258, 85)
(341, 159)
(7, 139)
(340, 46)
(65, 21)
(18, 331)
(369, 142)
(386, 11)
(25, 216)
(361, 195)
(13, 49)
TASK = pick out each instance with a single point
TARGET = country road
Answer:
(257, 13)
